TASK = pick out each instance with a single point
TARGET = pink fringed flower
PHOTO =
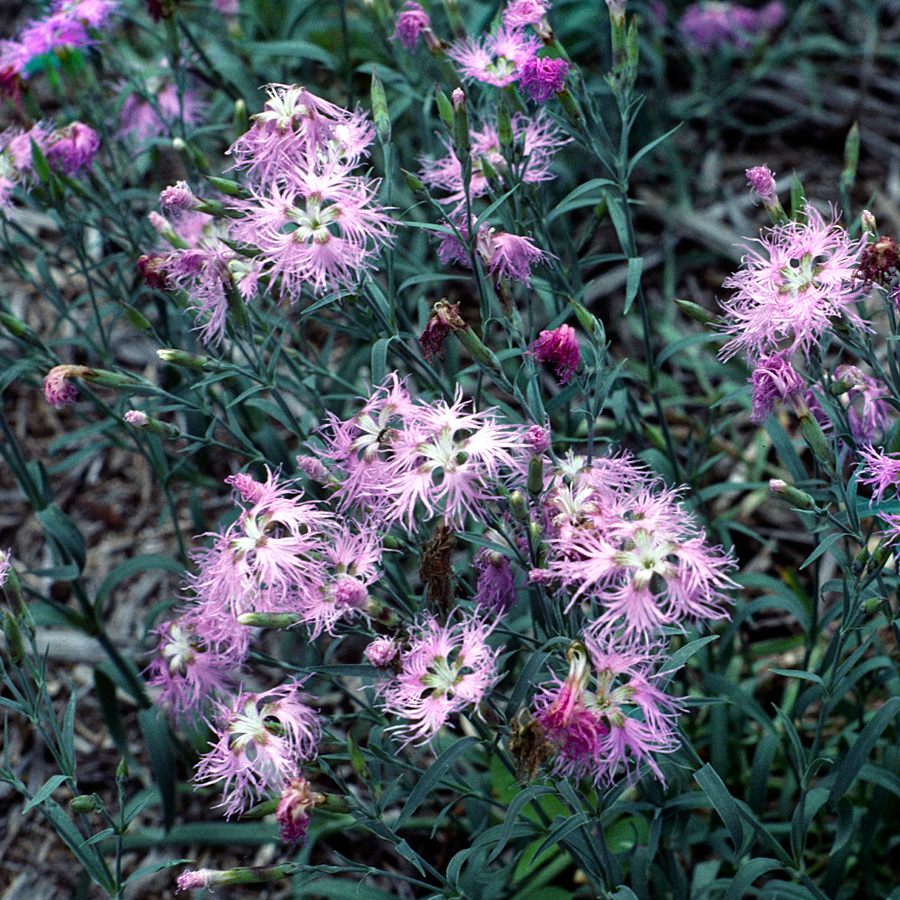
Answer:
(508, 255)
(299, 134)
(710, 25)
(617, 537)
(404, 461)
(542, 78)
(495, 59)
(188, 672)
(787, 292)
(601, 732)
(773, 379)
(868, 408)
(444, 670)
(141, 120)
(881, 471)
(260, 741)
(560, 348)
(318, 229)
(537, 134)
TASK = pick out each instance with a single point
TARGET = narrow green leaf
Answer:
(647, 148)
(162, 759)
(723, 803)
(747, 873)
(64, 534)
(109, 707)
(560, 831)
(379, 359)
(52, 784)
(683, 654)
(858, 754)
(143, 562)
(432, 778)
(633, 280)
(532, 792)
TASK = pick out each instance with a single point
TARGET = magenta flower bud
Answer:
(411, 22)
(246, 487)
(349, 592)
(773, 378)
(495, 589)
(762, 183)
(382, 651)
(178, 198)
(543, 78)
(537, 440)
(314, 469)
(292, 815)
(72, 148)
(560, 348)
(200, 878)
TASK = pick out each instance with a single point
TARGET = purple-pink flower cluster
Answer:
(307, 219)
(67, 150)
(610, 714)
(403, 461)
(69, 25)
(539, 138)
(621, 546)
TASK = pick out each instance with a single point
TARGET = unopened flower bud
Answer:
(814, 436)
(16, 327)
(537, 440)
(845, 379)
(518, 505)
(461, 139)
(800, 499)
(445, 107)
(867, 220)
(83, 803)
(871, 605)
(182, 358)
(695, 312)
(413, 182)
(178, 198)
(139, 419)
(380, 109)
(382, 651)
(269, 620)
(204, 878)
